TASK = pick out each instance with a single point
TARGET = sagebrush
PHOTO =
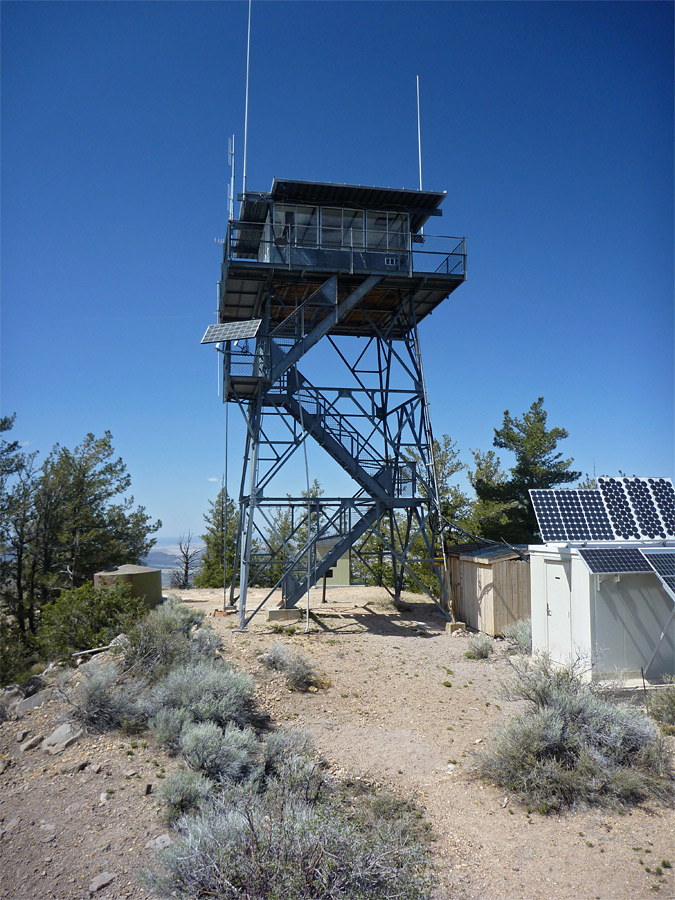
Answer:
(572, 746)
(518, 636)
(480, 646)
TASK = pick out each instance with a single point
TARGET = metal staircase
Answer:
(294, 280)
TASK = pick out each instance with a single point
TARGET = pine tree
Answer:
(221, 518)
(537, 466)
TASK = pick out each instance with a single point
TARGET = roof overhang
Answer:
(421, 205)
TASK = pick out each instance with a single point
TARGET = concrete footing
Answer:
(452, 627)
(283, 615)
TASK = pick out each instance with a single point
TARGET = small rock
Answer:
(76, 766)
(10, 826)
(159, 843)
(97, 769)
(101, 881)
(22, 734)
(62, 737)
(25, 706)
(33, 685)
(30, 743)
(130, 773)
(103, 798)
(148, 789)
(4, 765)
(478, 741)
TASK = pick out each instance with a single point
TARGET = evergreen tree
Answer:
(222, 519)
(537, 466)
(488, 517)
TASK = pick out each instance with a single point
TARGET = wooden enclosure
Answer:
(489, 587)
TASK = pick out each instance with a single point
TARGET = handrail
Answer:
(309, 246)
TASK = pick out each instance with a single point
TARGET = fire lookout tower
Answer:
(348, 268)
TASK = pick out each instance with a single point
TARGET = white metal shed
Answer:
(603, 584)
(615, 620)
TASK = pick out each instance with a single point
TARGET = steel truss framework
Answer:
(375, 425)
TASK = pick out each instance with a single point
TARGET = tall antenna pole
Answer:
(248, 57)
(230, 193)
(419, 132)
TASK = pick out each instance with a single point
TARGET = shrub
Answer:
(87, 617)
(184, 792)
(100, 703)
(518, 636)
(299, 672)
(267, 846)
(167, 726)
(480, 646)
(205, 642)
(288, 755)
(573, 748)
(227, 753)
(276, 657)
(177, 616)
(153, 647)
(661, 703)
(208, 691)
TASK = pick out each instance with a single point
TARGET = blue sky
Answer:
(550, 125)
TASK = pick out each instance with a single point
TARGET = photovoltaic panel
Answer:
(599, 526)
(231, 331)
(642, 508)
(619, 508)
(663, 563)
(664, 495)
(550, 521)
(572, 515)
(614, 560)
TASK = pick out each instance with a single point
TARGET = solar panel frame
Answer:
(231, 331)
(614, 560)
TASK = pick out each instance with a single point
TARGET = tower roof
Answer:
(420, 204)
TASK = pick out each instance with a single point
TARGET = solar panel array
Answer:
(231, 331)
(622, 509)
(614, 560)
(663, 563)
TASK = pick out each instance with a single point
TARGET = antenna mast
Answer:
(248, 57)
(230, 162)
(419, 132)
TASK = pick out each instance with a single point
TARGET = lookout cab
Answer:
(312, 262)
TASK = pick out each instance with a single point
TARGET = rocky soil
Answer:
(405, 707)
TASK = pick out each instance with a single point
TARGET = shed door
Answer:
(558, 609)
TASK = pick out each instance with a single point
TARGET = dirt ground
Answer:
(405, 708)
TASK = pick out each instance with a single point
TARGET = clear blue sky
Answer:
(550, 125)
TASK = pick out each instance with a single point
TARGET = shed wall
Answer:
(490, 595)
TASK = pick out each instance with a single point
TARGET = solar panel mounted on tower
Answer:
(614, 560)
(619, 508)
(231, 331)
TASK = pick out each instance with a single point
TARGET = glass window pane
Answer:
(376, 225)
(331, 228)
(352, 228)
(306, 222)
